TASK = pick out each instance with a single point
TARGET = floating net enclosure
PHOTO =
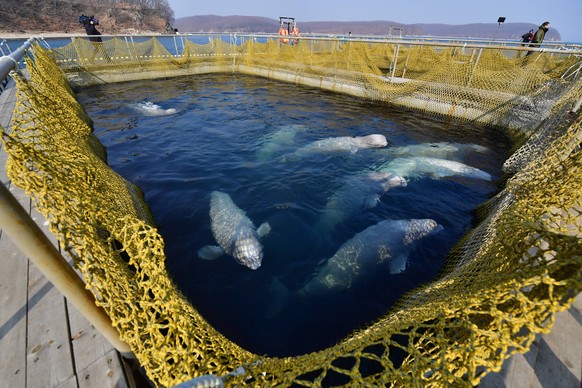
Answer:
(502, 284)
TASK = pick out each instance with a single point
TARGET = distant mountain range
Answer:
(256, 24)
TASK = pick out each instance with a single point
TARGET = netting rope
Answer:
(503, 283)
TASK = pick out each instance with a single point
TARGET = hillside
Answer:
(42, 16)
(156, 16)
(251, 24)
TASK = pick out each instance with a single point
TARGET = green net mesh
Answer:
(503, 282)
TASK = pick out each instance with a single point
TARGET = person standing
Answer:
(92, 31)
(89, 23)
(539, 36)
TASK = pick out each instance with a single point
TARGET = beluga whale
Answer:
(279, 140)
(234, 232)
(150, 109)
(359, 191)
(388, 242)
(418, 166)
(445, 150)
(341, 144)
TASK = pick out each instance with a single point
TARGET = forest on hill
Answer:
(62, 16)
(157, 16)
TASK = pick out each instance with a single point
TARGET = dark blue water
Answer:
(211, 143)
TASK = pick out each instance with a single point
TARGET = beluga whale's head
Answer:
(371, 141)
(248, 251)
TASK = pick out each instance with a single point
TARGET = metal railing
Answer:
(175, 42)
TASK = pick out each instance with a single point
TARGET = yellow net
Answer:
(503, 282)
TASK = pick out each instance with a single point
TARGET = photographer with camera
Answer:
(89, 22)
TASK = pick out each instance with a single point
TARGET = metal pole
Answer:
(10, 62)
(30, 239)
(394, 61)
(176, 47)
(183, 40)
(406, 63)
(474, 67)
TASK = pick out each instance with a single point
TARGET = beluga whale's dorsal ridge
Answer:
(234, 232)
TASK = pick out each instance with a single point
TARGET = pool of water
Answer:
(181, 139)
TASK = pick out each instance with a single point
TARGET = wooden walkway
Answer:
(44, 341)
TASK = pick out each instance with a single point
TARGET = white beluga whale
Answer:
(358, 192)
(411, 167)
(234, 232)
(341, 144)
(150, 109)
(387, 243)
(444, 150)
(277, 141)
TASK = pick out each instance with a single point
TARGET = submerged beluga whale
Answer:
(338, 145)
(388, 242)
(434, 167)
(442, 150)
(358, 192)
(234, 232)
(278, 141)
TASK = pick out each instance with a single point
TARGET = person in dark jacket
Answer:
(539, 36)
(89, 22)
(92, 31)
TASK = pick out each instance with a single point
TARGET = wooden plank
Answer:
(49, 359)
(104, 372)
(13, 290)
(559, 361)
(554, 359)
(49, 351)
(92, 352)
(7, 100)
(69, 383)
(90, 348)
(13, 308)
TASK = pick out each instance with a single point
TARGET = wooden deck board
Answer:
(13, 282)
(48, 331)
(49, 352)
(105, 372)
(98, 363)
(13, 309)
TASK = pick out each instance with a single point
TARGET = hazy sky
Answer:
(564, 15)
